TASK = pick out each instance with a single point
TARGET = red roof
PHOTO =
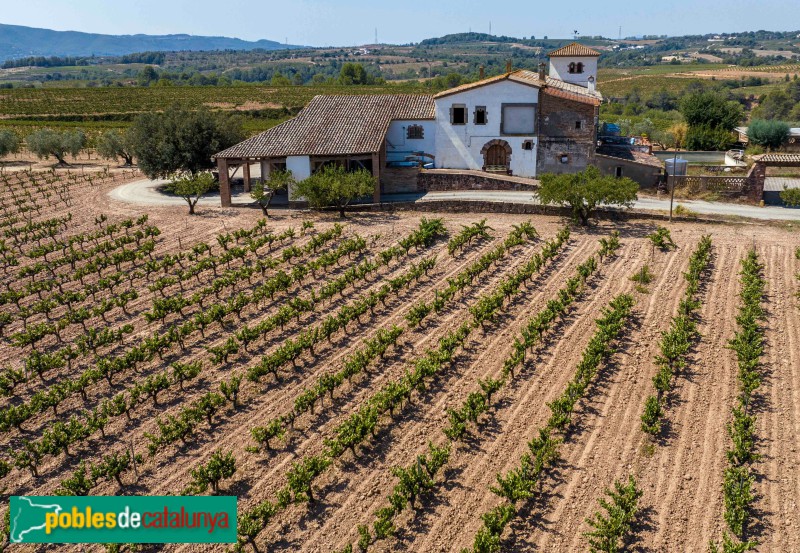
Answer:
(335, 125)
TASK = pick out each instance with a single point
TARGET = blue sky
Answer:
(349, 22)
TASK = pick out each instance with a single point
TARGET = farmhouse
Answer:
(521, 123)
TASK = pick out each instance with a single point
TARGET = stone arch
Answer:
(492, 147)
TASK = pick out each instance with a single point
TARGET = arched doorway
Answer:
(496, 155)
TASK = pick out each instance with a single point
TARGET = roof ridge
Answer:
(574, 49)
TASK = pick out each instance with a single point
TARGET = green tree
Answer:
(711, 110)
(47, 142)
(263, 192)
(191, 187)
(147, 75)
(9, 143)
(115, 144)
(776, 104)
(354, 74)
(334, 186)
(279, 80)
(769, 134)
(703, 137)
(583, 192)
(178, 140)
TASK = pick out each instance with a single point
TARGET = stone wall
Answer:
(750, 186)
(398, 180)
(558, 136)
(647, 176)
(439, 182)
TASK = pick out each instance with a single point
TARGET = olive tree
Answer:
(47, 142)
(9, 143)
(114, 144)
(583, 192)
(263, 191)
(179, 140)
(334, 186)
(769, 134)
(191, 187)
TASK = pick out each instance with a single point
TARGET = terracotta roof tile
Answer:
(574, 50)
(335, 125)
(778, 158)
(531, 78)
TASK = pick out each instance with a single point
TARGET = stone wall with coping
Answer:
(443, 182)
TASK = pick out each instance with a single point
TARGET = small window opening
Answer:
(578, 125)
(527, 145)
(564, 158)
(480, 115)
(415, 132)
(618, 172)
(458, 115)
(575, 67)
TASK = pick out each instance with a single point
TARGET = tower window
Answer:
(527, 145)
(578, 125)
(575, 68)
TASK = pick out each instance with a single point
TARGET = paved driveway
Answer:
(146, 192)
(645, 203)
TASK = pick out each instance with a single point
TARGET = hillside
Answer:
(18, 42)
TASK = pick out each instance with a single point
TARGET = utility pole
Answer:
(672, 189)
(490, 28)
(376, 36)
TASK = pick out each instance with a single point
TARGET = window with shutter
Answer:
(458, 114)
(480, 115)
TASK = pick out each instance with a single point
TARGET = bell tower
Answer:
(576, 64)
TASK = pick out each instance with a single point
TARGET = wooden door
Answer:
(496, 155)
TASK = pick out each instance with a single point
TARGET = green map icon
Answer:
(28, 517)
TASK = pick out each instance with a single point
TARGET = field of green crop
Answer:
(61, 102)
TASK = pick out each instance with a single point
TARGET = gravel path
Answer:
(146, 192)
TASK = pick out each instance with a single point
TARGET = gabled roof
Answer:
(574, 50)
(552, 86)
(335, 125)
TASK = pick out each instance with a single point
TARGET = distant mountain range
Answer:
(20, 42)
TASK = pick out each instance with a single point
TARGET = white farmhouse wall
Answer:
(300, 166)
(397, 142)
(459, 146)
(559, 69)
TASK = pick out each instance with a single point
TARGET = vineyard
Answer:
(399, 382)
(64, 102)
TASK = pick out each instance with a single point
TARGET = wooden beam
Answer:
(376, 172)
(246, 175)
(224, 183)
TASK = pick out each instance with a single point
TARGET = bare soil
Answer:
(681, 476)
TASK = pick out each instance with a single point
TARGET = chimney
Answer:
(541, 72)
(508, 66)
(482, 73)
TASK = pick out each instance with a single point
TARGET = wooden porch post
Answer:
(376, 172)
(224, 183)
(246, 175)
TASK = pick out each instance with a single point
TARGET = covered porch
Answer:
(259, 168)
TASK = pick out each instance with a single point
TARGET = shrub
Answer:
(584, 191)
(219, 467)
(790, 196)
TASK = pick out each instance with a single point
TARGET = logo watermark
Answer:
(123, 519)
